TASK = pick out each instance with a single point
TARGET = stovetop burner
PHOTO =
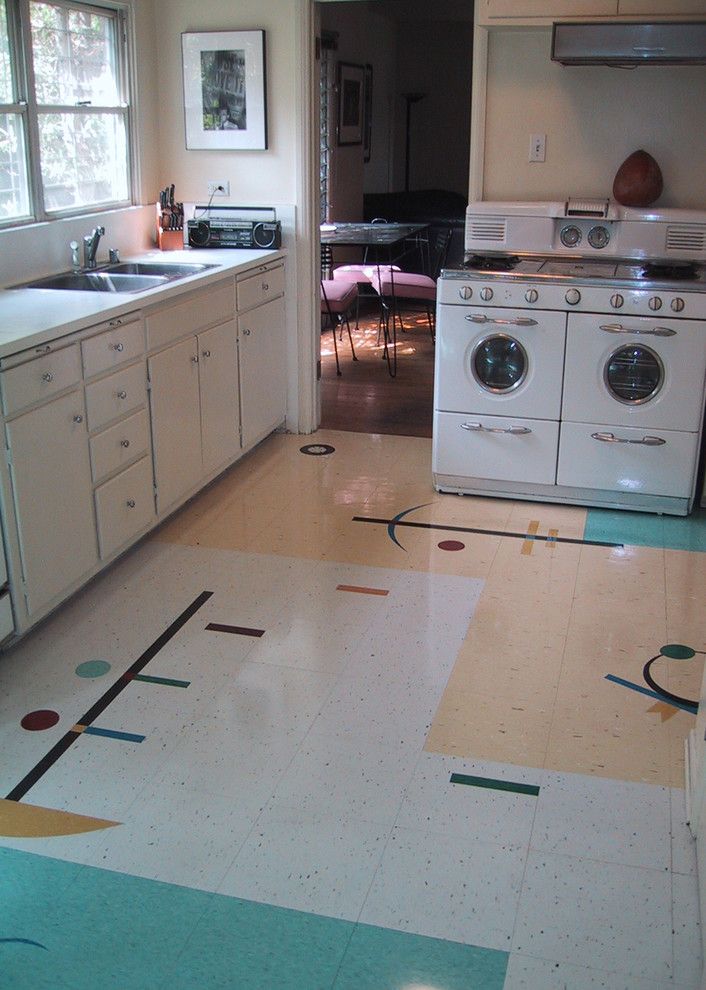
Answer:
(491, 262)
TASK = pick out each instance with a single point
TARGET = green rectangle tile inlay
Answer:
(496, 785)
(169, 681)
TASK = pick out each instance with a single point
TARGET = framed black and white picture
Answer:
(225, 99)
(351, 85)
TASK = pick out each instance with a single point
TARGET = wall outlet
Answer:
(538, 147)
(219, 187)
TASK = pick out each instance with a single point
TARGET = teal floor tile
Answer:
(644, 529)
(381, 959)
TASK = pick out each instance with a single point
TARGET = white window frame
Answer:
(26, 106)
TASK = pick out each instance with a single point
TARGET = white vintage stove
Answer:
(571, 356)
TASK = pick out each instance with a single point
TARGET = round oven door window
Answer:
(499, 363)
(634, 374)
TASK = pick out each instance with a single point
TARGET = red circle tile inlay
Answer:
(452, 545)
(41, 719)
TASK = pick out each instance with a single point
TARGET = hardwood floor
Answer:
(365, 399)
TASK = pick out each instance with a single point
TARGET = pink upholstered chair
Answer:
(397, 287)
(337, 298)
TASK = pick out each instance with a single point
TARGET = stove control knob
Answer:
(465, 292)
(677, 304)
(573, 296)
(486, 294)
(570, 236)
(598, 237)
(654, 303)
(616, 301)
(531, 295)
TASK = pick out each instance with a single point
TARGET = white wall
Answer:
(594, 117)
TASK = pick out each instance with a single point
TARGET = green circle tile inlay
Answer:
(93, 668)
(675, 651)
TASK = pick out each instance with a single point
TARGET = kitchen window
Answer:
(64, 126)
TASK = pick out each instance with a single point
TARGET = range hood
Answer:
(611, 43)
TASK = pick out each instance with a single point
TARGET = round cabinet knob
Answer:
(118, 347)
(122, 394)
(573, 296)
(246, 333)
(78, 418)
(205, 353)
(265, 287)
(570, 236)
(47, 377)
(654, 303)
(531, 295)
(677, 304)
(195, 358)
(125, 443)
(616, 301)
(486, 294)
(598, 237)
(130, 503)
(465, 292)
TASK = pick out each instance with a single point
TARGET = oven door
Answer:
(502, 362)
(636, 371)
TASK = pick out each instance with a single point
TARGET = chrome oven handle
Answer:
(521, 321)
(655, 332)
(479, 428)
(611, 438)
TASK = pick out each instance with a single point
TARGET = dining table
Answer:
(383, 239)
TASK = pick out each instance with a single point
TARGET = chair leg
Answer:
(335, 348)
(350, 338)
(430, 321)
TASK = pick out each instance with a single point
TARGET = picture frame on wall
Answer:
(351, 85)
(367, 112)
(225, 91)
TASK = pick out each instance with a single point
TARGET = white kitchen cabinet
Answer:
(176, 420)
(490, 12)
(661, 8)
(53, 496)
(263, 383)
(220, 395)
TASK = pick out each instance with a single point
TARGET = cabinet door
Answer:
(51, 477)
(263, 370)
(527, 10)
(660, 7)
(176, 421)
(220, 395)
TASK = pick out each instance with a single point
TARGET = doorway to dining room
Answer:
(404, 157)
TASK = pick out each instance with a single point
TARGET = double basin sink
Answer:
(123, 276)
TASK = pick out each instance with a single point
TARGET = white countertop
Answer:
(30, 317)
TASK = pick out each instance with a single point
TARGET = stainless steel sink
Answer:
(126, 276)
(98, 282)
(168, 270)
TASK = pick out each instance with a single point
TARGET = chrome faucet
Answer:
(90, 247)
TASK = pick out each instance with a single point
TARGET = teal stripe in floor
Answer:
(494, 785)
(119, 932)
(643, 529)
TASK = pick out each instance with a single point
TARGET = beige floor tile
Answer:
(568, 520)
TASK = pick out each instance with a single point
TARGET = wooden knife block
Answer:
(168, 240)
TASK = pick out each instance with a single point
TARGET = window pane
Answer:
(74, 56)
(6, 93)
(14, 197)
(84, 159)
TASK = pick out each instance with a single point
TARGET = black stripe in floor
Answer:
(483, 532)
(18, 792)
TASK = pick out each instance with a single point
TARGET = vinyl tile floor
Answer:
(328, 728)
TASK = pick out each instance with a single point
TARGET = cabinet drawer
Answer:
(586, 461)
(124, 506)
(260, 288)
(40, 379)
(120, 445)
(492, 453)
(207, 308)
(122, 342)
(116, 395)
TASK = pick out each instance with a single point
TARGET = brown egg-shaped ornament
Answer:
(638, 181)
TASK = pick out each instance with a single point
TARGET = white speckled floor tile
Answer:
(322, 865)
(166, 838)
(687, 930)
(477, 813)
(588, 913)
(608, 820)
(527, 973)
(359, 779)
(683, 842)
(448, 887)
